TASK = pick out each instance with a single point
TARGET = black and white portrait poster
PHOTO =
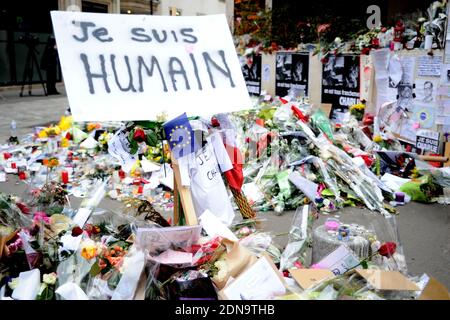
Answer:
(292, 70)
(251, 69)
(340, 82)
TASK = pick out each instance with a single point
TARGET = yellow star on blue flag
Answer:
(180, 136)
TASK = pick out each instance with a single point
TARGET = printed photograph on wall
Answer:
(251, 69)
(340, 83)
(292, 70)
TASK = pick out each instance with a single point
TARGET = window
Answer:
(174, 11)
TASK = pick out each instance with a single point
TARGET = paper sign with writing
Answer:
(427, 140)
(135, 67)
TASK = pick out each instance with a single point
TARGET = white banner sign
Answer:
(135, 67)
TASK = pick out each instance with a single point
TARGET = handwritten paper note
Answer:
(429, 66)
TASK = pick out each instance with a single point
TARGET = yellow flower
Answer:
(377, 138)
(358, 106)
(89, 251)
(65, 123)
(42, 134)
(52, 162)
(92, 126)
(64, 142)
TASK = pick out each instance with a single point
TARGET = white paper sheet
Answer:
(339, 261)
(429, 66)
(143, 65)
(215, 227)
(426, 90)
(259, 282)
(308, 187)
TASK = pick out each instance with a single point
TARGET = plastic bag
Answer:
(422, 189)
(299, 237)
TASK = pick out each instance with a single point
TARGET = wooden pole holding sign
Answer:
(185, 197)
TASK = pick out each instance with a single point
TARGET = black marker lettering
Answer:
(173, 72)
(130, 75)
(226, 72)
(84, 28)
(189, 38)
(139, 32)
(194, 63)
(158, 38)
(154, 62)
(174, 35)
(91, 75)
(99, 33)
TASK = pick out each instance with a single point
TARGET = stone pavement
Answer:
(29, 111)
(424, 229)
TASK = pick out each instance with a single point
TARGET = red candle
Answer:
(13, 165)
(22, 175)
(65, 177)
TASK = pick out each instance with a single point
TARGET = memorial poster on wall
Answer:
(251, 69)
(340, 83)
(292, 70)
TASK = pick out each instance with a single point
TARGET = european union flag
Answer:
(180, 136)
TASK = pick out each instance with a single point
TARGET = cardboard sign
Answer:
(427, 140)
(307, 278)
(387, 280)
(135, 67)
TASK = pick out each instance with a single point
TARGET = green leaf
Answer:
(327, 193)
(146, 124)
(364, 264)
(133, 147)
(152, 139)
(95, 269)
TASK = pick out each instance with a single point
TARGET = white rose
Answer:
(49, 278)
(13, 283)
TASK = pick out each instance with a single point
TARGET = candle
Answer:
(65, 177)
(13, 165)
(140, 189)
(332, 224)
(22, 175)
(399, 197)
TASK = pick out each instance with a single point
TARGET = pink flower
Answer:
(323, 27)
(41, 216)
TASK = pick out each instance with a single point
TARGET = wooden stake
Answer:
(185, 196)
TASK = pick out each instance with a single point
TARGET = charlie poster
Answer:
(135, 67)
(340, 82)
(292, 70)
(251, 69)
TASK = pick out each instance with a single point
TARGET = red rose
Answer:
(23, 208)
(76, 231)
(215, 123)
(387, 249)
(365, 51)
(139, 135)
(375, 42)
